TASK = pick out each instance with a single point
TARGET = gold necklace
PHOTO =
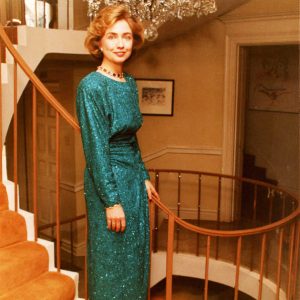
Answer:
(114, 74)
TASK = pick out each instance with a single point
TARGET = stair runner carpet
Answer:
(24, 264)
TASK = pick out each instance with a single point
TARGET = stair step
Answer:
(28, 260)
(48, 286)
(12, 228)
(3, 198)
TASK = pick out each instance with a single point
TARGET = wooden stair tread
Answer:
(12, 228)
(251, 170)
(48, 286)
(28, 259)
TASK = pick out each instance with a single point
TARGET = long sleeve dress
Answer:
(109, 116)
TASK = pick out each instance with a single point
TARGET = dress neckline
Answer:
(125, 76)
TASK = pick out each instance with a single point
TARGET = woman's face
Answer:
(117, 42)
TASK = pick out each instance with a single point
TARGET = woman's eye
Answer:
(128, 37)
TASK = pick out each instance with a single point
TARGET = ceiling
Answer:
(179, 27)
(169, 30)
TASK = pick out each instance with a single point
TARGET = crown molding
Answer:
(259, 17)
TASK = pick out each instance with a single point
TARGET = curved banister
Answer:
(225, 233)
(244, 179)
(36, 81)
(259, 257)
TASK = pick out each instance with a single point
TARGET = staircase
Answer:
(27, 268)
(251, 170)
(24, 265)
(33, 44)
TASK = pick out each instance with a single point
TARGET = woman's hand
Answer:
(115, 218)
(152, 193)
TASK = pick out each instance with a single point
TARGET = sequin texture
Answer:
(109, 116)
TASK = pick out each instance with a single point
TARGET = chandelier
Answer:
(154, 13)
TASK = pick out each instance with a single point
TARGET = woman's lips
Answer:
(120, 53)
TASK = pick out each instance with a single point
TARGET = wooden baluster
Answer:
(279, 260)
(68, 14)
(254, 219)
(1, 142)
(16, 135)
(219, 200)
(34, 162)
(290, 266)
(198, 213)
(255, 202)
(72, 243)
(207, 267)
(271, 199)
(169, 266)
(219, 214)
(237, 272)
(58, 191)
(155, 231)
(283, 205)
(178, 210)
(262, 264)
(86, 290)
(296, 264)
(267, 259)
(152, 212)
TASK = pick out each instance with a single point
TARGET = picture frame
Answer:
(156, 96)
(274, 79)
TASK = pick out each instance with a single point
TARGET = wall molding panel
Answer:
(72, 187)
(182, 150)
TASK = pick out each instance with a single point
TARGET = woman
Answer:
(116, 182)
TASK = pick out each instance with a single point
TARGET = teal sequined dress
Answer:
(109, 116)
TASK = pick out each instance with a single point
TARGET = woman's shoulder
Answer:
(130, 79)
(91, 82)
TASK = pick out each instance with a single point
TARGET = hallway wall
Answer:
(197, 120)
(196, 62)
(193, 137)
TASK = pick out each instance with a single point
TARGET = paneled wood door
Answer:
(46, 160)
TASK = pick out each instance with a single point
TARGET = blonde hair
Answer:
(107, 17)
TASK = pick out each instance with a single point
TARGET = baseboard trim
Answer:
(79, 248)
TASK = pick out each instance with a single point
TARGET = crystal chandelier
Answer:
(153, 13)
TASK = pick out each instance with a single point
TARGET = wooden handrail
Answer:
(36, 81)
(205, 173)
(226, 233)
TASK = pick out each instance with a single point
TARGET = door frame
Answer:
(277, 30)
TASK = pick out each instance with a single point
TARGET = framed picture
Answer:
(274, 78)
(156, 96)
